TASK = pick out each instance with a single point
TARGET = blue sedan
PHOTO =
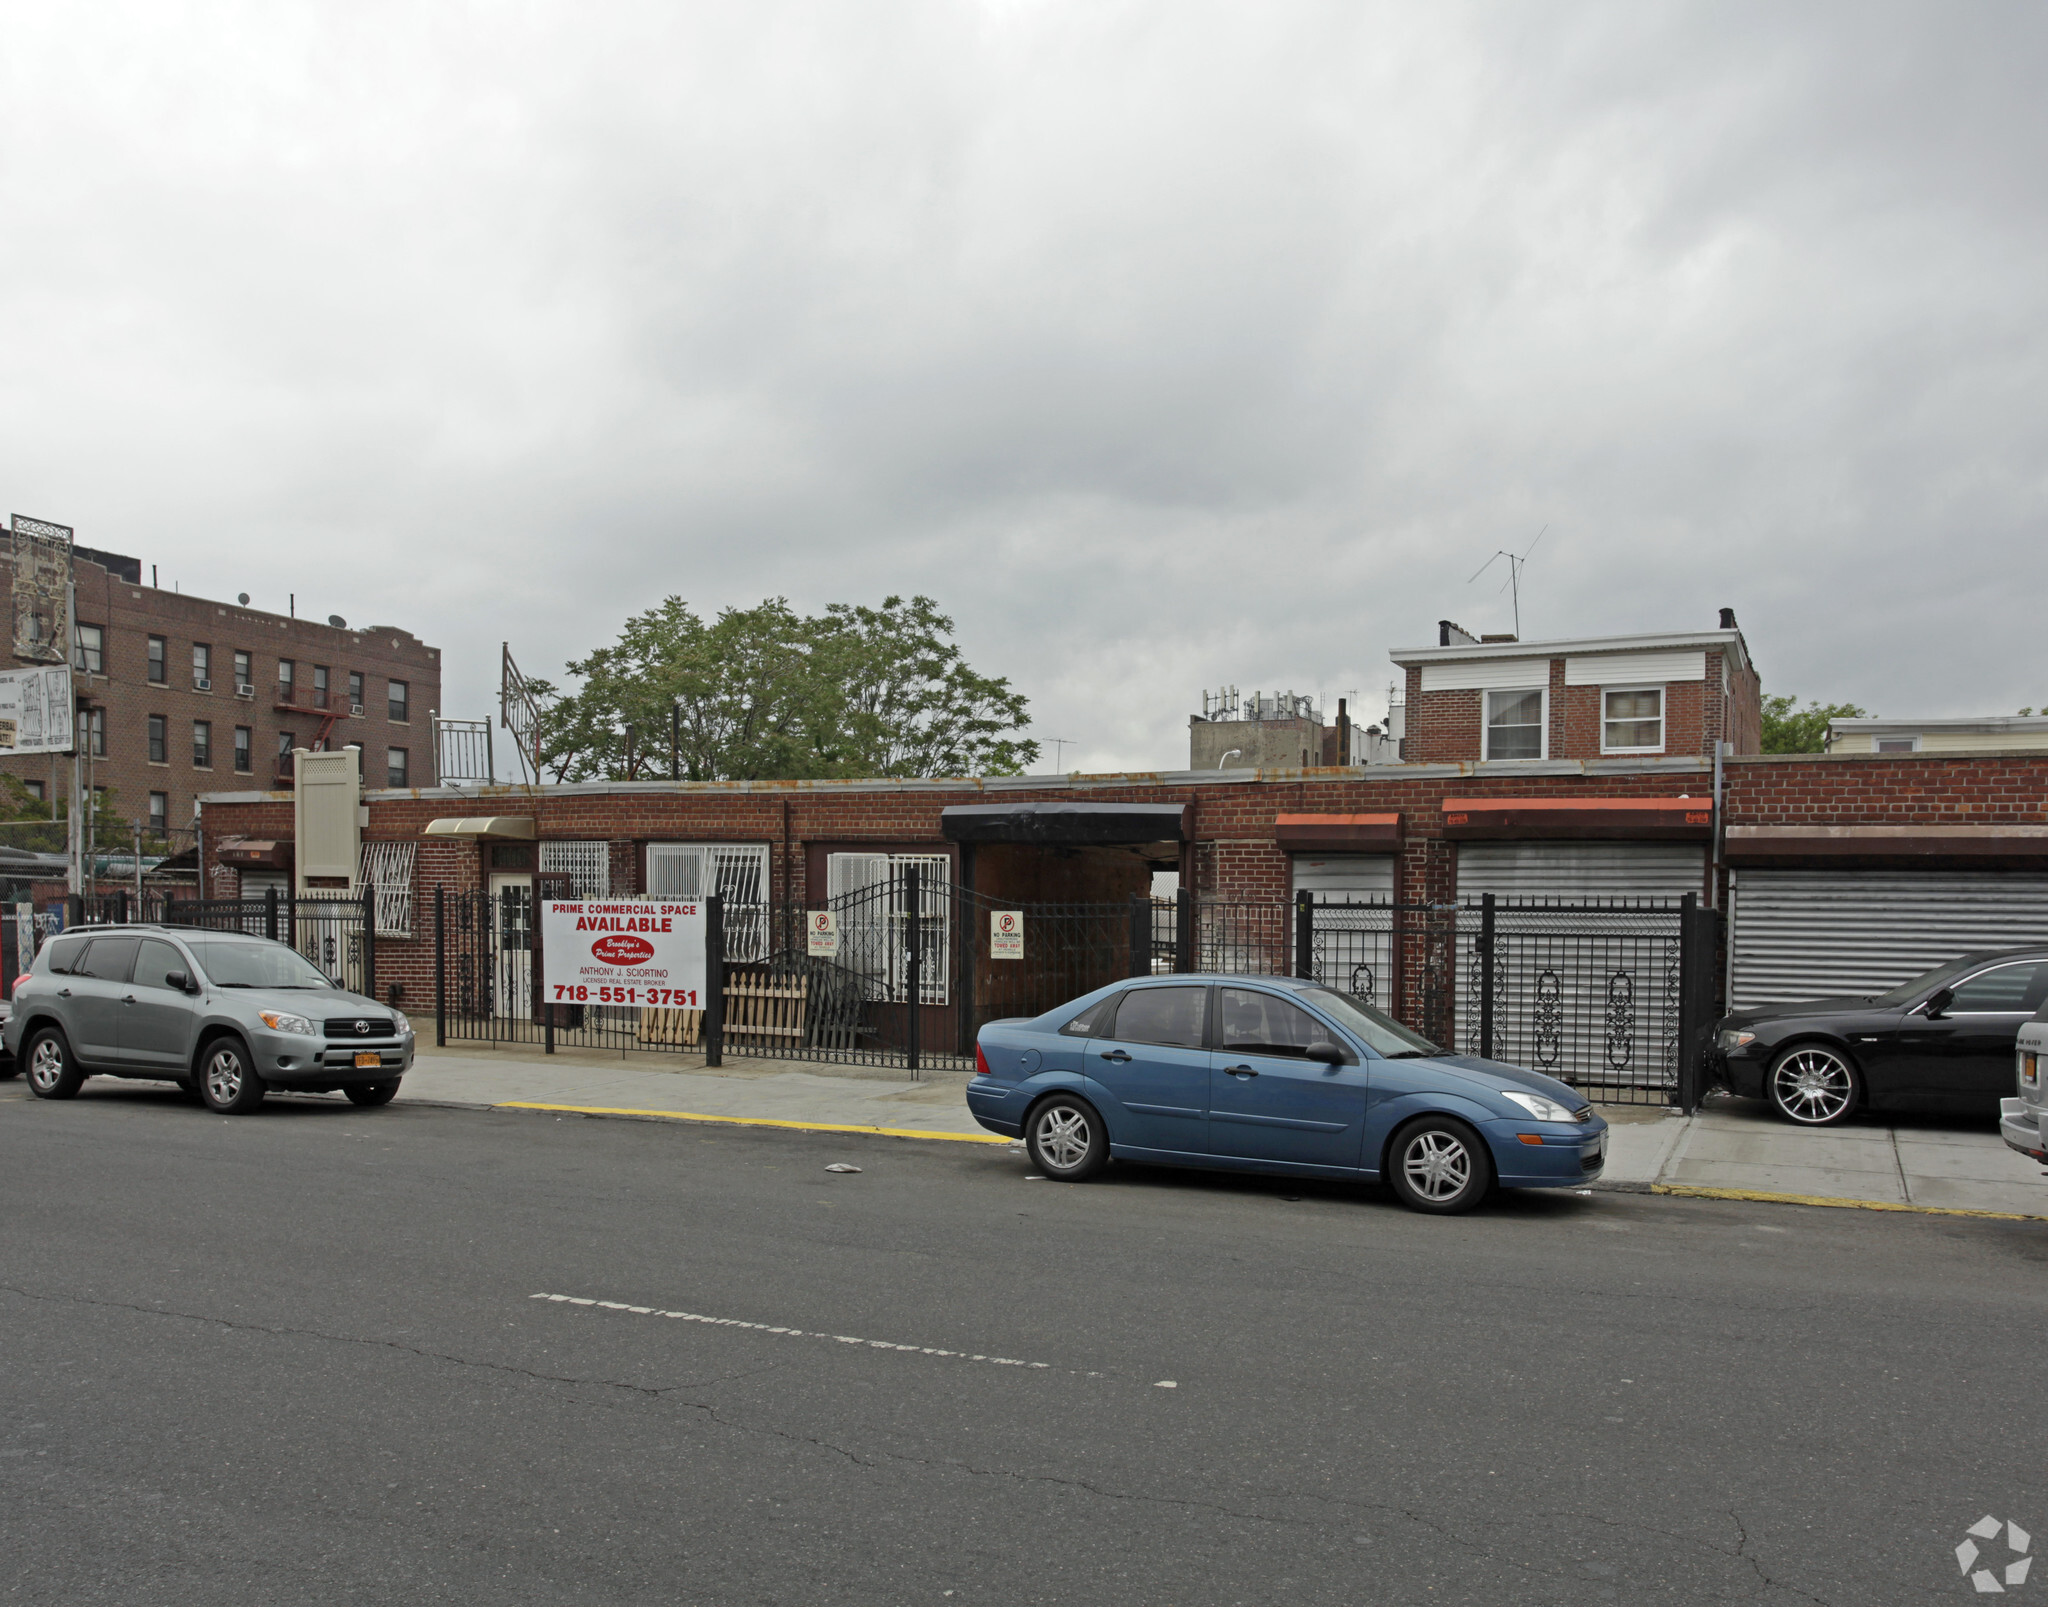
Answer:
(1270, 1074)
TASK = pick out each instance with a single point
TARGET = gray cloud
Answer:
(1165, 345)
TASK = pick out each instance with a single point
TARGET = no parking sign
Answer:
(822, 930)
(1006, 934)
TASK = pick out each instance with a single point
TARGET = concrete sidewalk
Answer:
(1731, 1147)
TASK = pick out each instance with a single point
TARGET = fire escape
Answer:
(324, 706)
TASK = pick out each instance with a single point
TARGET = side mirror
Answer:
(1937, 1002)
(1328, 1053)
(179, 980)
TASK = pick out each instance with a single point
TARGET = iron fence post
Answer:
(440, 962)
(714, 981)
(963, 905)
(1486, 929)
(1141, 936)
(913, 968)
(1305, 935)
(170, 908)
(1184, 930)
(1694, 1001)
(370, 942)
(270, 913)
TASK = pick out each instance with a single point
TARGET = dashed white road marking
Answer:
(801, 1333)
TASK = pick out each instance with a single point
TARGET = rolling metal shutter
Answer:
(1817, 934)
(1572, 872)
(1345, 876)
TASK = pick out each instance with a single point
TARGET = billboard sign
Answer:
(645, 952)
(35, 710)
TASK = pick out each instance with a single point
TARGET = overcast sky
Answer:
(1166, 345)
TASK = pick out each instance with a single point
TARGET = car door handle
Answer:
(1114, 1054)
(63, 993)
(130, 999)
(1241, 1071)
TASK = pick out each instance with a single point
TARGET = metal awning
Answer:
(519, 827)
(1637, 819)
(1772, 845)
(1129, 824)
(1338, 834)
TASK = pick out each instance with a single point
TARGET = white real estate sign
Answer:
(646, 952)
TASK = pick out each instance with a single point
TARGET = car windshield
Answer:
(1378, 1031)
(1920, 986)
(254, 963)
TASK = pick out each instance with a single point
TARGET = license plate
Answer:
(369, 1059)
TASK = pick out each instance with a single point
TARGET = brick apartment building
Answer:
(182, 695)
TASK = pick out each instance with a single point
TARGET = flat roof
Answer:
(1655, 641)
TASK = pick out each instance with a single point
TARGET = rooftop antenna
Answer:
(1057, 744)
(1514, 580)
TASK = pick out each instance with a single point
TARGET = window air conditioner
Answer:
(201, 684)
(356, 709)
(245, 689)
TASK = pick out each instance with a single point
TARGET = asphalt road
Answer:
(298, 1358)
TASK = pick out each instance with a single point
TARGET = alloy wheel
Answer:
(224, 1076)
(1437, 1165)
(46, 1065)
(1063, 1137)
(1813, 1085)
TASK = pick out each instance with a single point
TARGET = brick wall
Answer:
(129, 614)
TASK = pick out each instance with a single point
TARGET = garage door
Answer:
(1575, 872)
(1817, 934)
(1353, 945)
(1345, 876)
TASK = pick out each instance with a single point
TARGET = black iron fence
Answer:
(1612, 998)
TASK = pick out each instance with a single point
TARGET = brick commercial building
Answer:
(185, 696)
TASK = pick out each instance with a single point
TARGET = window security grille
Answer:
(587, 865)
(737, 872)
(866, 891)
(389, 867)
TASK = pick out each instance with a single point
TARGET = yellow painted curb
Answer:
(1691, 1192)
(762, 1121)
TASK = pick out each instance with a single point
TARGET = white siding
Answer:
(1819, 934)
(1476, 674)
(1634, 669)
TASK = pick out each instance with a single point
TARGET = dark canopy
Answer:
(1065, 823)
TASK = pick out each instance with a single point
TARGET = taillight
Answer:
(981, 1061)
(19, 980)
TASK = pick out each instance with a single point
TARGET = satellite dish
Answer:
(242, 598)
(337, 622)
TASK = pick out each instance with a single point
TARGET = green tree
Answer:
(1791, 729)
(767, 693)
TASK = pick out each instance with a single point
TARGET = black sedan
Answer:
(1942, 1042)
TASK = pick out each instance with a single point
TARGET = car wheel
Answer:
(52, 1071)
(1814, 1085)
(1439, 1165)
(227, 1078)
(1066, 1139)
(372, 1094)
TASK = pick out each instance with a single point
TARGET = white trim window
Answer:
(866, 892)
(1517, 722)
(1631, 719)
(1895, 745)
(736, 872)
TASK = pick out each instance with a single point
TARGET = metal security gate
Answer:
(338, 935)
(1816, 934)
(1580, 872)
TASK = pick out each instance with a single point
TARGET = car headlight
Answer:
(404, 1023)
(282, 1021)
(1733, 1038)
(1544, 1110)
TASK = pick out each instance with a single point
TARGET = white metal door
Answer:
(1581, 872)
(512, 946)
(1819, 934)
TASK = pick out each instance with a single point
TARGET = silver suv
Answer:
(2024, 1121)
(218, 1013)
